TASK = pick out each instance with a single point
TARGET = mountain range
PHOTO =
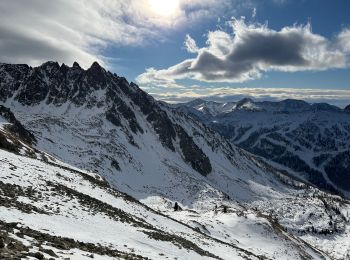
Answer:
(311, 140)
(92, 166)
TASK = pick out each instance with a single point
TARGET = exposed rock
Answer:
(76, 65)
(37, 255)
(113, 117)
(337, 170)
(156, 116)
(192, 153)
(16, 127)
(50, 252)
(115, 165)
(2, 243)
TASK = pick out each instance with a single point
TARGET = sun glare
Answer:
(164, 7)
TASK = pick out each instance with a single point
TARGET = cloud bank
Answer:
(250, 50)
(338, 97)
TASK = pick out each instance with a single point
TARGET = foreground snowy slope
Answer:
(45, 206)
(98, 122)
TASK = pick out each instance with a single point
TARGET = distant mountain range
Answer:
(313, 140)
(92, 166)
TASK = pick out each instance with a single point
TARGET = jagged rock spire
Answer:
(76, 65)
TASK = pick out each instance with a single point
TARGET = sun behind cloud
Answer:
(164, 7)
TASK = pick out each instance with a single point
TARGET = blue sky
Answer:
(180, 49)
(327, 18)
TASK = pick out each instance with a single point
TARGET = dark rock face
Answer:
(347, 108)
(115, 165)
(113, 117)
(122, 108)
(57, 85)
(192, 153)
(52, 84)
(16, 128)
(7, 145)
(154, 114)
(337, 170)
(96, 76)
(292, 104)
(12, 77)
(273, 144)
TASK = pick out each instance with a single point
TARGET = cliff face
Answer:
(95, 88)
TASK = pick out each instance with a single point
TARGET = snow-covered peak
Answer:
(244, 101)
(212, 108)
(247, 104)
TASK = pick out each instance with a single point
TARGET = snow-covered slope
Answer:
(98, 122)
(63, 212)
(51, 210)
(311, 139)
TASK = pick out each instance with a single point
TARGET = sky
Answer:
(178, 50)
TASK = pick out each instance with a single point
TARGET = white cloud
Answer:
(152, 78)
(34, 31)
(252, 49)
(344, 40)
(254, 13)
(190, 44)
